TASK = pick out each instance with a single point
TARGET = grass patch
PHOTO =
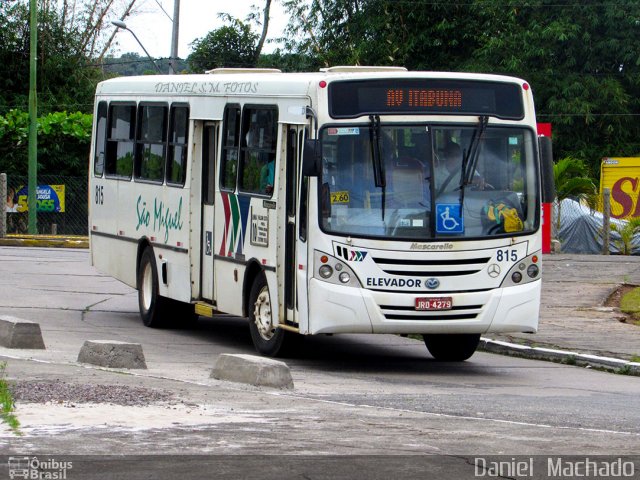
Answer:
(630, 304)
(626, 370)
(7, 405)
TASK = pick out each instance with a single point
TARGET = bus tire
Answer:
(452, 347)
(154, 309)
(267, 338)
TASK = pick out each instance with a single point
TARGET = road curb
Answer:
(18, 333)
(46, 241)
(566, 357)
(112, 354)
(253, 370)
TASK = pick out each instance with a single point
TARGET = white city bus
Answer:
(351, 200)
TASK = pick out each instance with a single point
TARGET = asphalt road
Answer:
(353, 395)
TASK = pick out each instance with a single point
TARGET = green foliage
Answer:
(7, 405)
(251, 175)
(582, 59)
(152, 166)
(627, 230)
(131, 63)
(63, 142)
(630, 303)
(124, 165)
(582, 62)
(571, 177)
(232, 45)
(66, 81)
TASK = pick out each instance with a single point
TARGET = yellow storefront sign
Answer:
(621, 175)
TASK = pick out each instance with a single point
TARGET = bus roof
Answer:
(267, 82)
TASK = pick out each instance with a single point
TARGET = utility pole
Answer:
(33, 118)
(174, 38)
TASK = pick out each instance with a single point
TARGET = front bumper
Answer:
(339, 309)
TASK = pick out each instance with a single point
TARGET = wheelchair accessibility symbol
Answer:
(449, 218)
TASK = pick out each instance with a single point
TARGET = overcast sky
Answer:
(197, 18)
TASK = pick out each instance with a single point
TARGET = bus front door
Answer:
(208, 155)
(290, 251)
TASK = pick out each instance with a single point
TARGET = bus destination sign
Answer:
(355, 98)
(427, 98)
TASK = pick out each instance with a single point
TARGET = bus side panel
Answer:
(158, 214)
(115, 257)
(245, 232)
(103, 225)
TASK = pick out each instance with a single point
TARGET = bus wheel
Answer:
(452, 347)
(267, 338)
(153, 307)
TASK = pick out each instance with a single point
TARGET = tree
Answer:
(418, 35)
(232, 45)
(71, 33)
(582, 59)
(228, 46)
(571, 179)
(62, 144)
(131, 63)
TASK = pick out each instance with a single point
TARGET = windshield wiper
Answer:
(379, 175)
(470, 158)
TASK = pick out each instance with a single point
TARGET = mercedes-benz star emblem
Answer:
(494, 270)
(433, 283)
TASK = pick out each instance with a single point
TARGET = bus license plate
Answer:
(437, 303)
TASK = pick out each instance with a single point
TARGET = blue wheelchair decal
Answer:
(449, 218)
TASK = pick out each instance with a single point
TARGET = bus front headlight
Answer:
(330, 269)
(516, 275)
(325, 271)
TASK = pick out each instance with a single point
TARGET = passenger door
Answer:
(210, 135)
(291, 250)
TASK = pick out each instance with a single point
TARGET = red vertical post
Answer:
(544, 129)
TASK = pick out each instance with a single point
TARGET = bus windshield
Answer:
(433, 181)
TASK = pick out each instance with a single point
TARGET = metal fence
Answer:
(62, 207)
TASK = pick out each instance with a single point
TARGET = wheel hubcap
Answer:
(262, 315)
(147, 287)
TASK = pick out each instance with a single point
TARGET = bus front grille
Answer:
(431, 268)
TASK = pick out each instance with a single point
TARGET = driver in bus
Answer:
(448, 172)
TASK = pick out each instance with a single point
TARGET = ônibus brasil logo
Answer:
(32, 468)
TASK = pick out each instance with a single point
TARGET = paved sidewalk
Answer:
(573, 317)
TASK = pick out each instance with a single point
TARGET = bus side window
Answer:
(101, 137)
(230, 146)
(302, 204)
(151, 143)
(178, 137)
(121, 140)
(258, 150)
(209, 152)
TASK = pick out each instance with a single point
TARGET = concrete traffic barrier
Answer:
(251, 369)
(112, 354)
(18, 333)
